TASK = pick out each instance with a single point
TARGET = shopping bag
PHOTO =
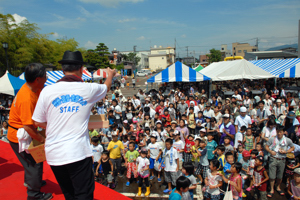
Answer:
(156, 166)
(228, 194)
(293, 103)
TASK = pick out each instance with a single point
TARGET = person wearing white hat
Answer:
(242, 119)
(278, 109)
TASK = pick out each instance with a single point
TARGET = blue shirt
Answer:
(101, 110)
(211, 146)
(174, 195)
(227, 167)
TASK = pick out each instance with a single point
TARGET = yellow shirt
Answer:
(114, 149)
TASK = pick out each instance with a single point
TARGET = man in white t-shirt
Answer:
(242, 120)
(63, 109)
(268, 102)
(262, 113)
(208, 112)
(117, 111)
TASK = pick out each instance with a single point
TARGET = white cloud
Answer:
(90, 45)
(127, 20)
(55, 34)
(81, 19)
(141, 38)
(111, 3)
(183, 36)
(18, 19)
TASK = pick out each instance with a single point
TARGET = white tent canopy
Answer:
(234, 70)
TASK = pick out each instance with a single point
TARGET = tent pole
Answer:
(209, 88)
(275, 81)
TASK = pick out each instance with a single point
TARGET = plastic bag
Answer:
(156, 165)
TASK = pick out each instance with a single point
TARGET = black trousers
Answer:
(33, 172)
(76, 180)
(141, 180)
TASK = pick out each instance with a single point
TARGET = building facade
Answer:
(239, 49)
(225, 51)
(144, 61)
(161, 57)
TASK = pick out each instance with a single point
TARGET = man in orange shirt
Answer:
(20, 117)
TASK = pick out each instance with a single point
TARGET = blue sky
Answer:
(199, 24)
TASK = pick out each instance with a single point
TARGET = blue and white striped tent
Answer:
(54, 76)
(178, 72)
(281, 68)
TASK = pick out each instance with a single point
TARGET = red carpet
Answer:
(12, 179)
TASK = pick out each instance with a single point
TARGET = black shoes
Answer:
(41, 196)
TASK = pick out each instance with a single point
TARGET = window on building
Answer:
(222, 49)
(253, 50)
(162, 58)
(245, 51)
(234, 54)
(233, 48)
(239, 51)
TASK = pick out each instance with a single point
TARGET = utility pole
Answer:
(256, 43)
(175, 51)
(187, 51)
(299, 39)
(134, 49)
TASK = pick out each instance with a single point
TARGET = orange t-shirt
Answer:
(21, 111)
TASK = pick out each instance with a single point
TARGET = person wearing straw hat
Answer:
(63, 109)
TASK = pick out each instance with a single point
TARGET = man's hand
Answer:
(273, 153)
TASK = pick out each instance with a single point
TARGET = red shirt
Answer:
(259, 177)
(167, 118)
(160, 110)
(188, 145)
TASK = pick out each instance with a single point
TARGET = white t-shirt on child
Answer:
(154, 150)
(238, 137)
(97, 151)
(168, 166)
(213, 180)
(143, 163)
(179, 145)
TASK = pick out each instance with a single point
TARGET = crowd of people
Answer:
(185, 139)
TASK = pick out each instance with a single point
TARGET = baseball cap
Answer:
(114, 133)
(243, 109)
(153, 135)
(226, 116)
(246, 153)
(125, 122)
(203, 130)
(192, 102)
(144, 150)
(134, 120)
(192, 135)
(208, 105)
(297, 171)
(278, 101)
(158, 121)
(260, 158)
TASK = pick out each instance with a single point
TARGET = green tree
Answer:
(131, 57)
(214, 56)
(103, 52)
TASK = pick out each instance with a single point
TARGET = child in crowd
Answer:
(211, 146)
(97, 151)
(170, 163)
(245, 165)
(143, 172)
(253, 155)
(182, 185)
(93, 132)
(191, 121)
(111, 118)
(213, 181)
(179, 146)
(115, 147)
(291, 164)
(202, 134)
(235, 181)
(142, 140)
(259, 148)
(294, 186)
(133, 140)
(107, 168)
(130, 162)
(249, 140)
(229, 161)
(194, 151)
(239, 153)
(154, 153)
(125, 143)
(238, 140)
(203, 164)
(221, 157)
(189, 142)
(228, 146)
(188, 171)
(260, 178)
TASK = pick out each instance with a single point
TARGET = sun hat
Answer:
(158, 121)
(226, 116)
(125, 122)
(290, 155)
(174, 122)
(291, 115)
(176, 132)
(153, 135)
(297, 171)
(278, 101)
(203, 130)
